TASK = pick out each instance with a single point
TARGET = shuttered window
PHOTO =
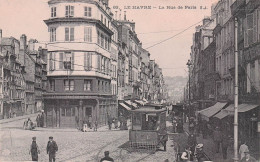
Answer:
(88, 34)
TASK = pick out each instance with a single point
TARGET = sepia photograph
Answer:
(130, 80)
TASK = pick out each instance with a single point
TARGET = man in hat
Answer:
(243, 148)
(107, 158)
(34, 150)
(248, 158)
(186, 155)
(52, 148)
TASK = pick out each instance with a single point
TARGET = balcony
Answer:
(237, 5)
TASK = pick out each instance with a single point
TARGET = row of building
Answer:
(212, 66)
(94, 67)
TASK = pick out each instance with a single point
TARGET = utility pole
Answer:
(236, 97)
(189, 64)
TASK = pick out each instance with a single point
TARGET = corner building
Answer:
(79, 61)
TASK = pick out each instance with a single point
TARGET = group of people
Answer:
(196, 154)
(40, 120)
(244, 153)
(51, 149)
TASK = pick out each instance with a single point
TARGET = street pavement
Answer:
(73, 145)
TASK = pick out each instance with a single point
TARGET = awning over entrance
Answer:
(209, 112)
(125, 106)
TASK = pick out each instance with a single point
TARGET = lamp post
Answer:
(189, 64)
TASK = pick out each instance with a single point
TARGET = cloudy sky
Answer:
(152, 25)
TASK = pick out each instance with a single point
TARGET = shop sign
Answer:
(253, 119)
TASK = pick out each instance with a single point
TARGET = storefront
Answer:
(69, 113)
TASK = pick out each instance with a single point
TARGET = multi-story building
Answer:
(144, 73)
(224, 50)
(79, 59)
(248, 16)
(13, 83)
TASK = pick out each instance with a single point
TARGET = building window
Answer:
(88, 61)
(102, 40)
(98, 38)
(69, 85)
(69, 11)
(102, 18)
(69, 34)
(88, 34)
(52, 85)
(52, 34)
(87, 12)
(68, 59)
(105, 21)
(53, 12)
(87, 85)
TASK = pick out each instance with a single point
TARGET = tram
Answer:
(148, 129)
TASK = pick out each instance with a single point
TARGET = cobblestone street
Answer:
(73, 145)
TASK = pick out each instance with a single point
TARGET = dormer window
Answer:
(69, 11)
(53, 12)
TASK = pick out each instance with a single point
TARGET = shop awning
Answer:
(140, 102)
(125, 106)
(223, 113)
(209, 112)
(243, 108)
(230, 110)
(131, 103)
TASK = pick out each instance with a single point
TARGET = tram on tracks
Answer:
(148, 130)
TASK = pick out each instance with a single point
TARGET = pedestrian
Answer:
(95, 125)
(116, 123)
(242, 149)
(109, 122)
(217, 138)
(192, 142)
(107, 158)
(225, 144)
(186, 155)
(52, 148)
(200, 154)
(191, 125)
(77, 121)
(38, 120)
(248, 158)
(42, 119)
(90, 121)
(34, 150)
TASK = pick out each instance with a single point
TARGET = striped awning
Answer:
(125, 106)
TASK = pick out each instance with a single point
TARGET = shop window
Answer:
(68, 111)
(62, 112)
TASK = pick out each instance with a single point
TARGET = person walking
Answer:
(34, 150)
(109, 122)
(192, 142)
(242, 149)
(107, 158)
(225, 144)
(52, 148)
(217, 138)
(95, 125)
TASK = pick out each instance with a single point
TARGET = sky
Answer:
(152, 26)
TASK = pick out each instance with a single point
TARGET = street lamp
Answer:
(189, 64)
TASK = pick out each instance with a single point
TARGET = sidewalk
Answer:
(209, 148)
(2, 121)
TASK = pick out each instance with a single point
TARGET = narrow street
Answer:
(73, 145)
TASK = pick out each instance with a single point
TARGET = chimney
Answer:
(31, 45)
(23, 41)
(125, 15)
